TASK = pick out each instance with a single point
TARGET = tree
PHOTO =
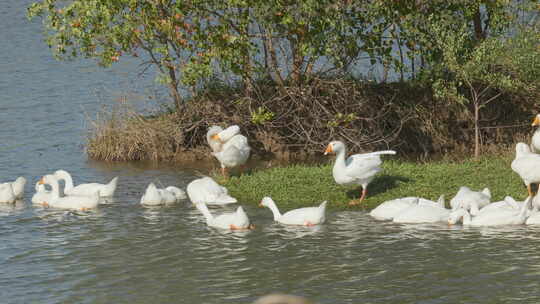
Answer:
(474, 73)
(177, 37)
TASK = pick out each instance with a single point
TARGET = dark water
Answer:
(122, 252)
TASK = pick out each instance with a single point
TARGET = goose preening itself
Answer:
(424, 211)
(237, 220)
(495, 217)
(307, 216)
(387, 210)
(470, 200)
(206, 190)
(71, 202)
(228, 146)
(358, 169)
(105, 190)
(535, 141)
(6, 193)
(155, 196)
(527, 165)
(17, 186)
(507, 203)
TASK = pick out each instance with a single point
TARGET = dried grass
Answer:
(366, 116)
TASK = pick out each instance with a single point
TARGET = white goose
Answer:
(387, 210)
(507, 203)
(470, 200)
(358, 169)
(17, 187)
(67, 202)
(105, 190)
(535, 141)
(527, 165)
(206, 190)
(233, 221)
(6, 193)
(307, 216)
(179, 194)
(154, 196)
(496, 217)
(41, 195)
(228, 146)
(425, 211)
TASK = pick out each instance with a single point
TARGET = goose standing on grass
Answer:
(237, 220)
(498, 217)
(105, 190)
(470, 200)
(527, 165)
(6, 194)
(535, 141)
(71, 202)
(154, 196)
(424, 211)
(307, 216)
(206, 190)
(228, 146)
(358, 169)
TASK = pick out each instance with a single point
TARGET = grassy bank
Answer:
(303, 185)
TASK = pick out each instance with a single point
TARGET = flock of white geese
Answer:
(231, 149)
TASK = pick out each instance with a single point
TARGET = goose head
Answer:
(334, 147)
(226, 134)
(212, 132)
(20, 181)
(266, 202)
(49, 179)
(536, 121)
(40, 187)
(455, 216)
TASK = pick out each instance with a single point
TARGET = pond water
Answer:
(122, 252)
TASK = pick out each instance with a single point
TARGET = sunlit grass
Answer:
(303, 185)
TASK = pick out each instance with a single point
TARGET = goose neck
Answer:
(275, 211)
(204, 210)
(68, 181)
(55, 192)
(340, 158)
(466, 218)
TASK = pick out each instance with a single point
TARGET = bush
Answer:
(300, 122)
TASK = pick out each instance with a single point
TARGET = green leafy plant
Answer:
(261, 115)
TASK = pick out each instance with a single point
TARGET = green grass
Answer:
(304, 185)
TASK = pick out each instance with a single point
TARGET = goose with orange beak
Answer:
(535, 141)
(229, 146)
(358, 169)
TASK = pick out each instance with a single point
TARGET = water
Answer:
(122, 252)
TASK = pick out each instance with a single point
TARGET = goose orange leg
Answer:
(354, 202)
(224, 172)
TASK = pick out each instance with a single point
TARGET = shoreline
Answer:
(300, 185)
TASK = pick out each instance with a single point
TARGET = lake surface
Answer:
(124, 253)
